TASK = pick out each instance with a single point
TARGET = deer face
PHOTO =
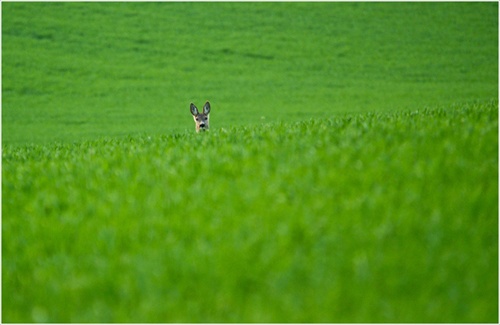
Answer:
(201, 120)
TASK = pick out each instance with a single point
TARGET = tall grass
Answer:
(325, 191)
(376, 217)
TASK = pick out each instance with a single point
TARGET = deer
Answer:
(201, 120)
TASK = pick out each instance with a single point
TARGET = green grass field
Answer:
(350, 173)
(83, 70)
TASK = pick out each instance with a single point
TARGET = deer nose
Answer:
(202, 125)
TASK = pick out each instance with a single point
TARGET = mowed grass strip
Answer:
(377, 217)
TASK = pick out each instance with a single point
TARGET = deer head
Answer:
(201, 119)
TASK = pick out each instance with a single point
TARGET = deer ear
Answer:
(206, 108)
(193, 109)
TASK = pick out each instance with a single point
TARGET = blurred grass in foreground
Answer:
(379, 217)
